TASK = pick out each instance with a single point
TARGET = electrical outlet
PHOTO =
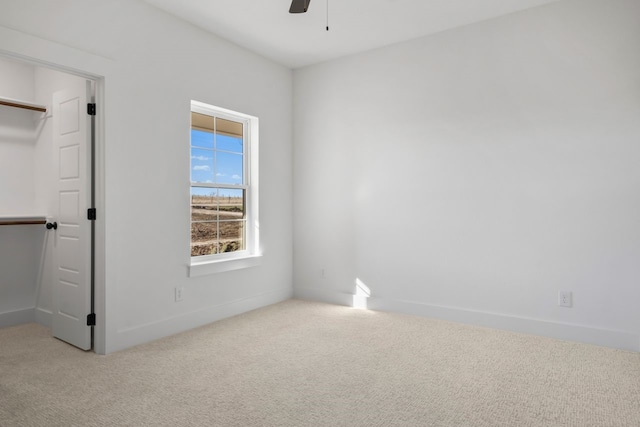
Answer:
(179, 293)
(564, 299)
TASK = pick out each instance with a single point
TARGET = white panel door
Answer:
(72, 253)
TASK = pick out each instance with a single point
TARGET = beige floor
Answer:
(310, 364)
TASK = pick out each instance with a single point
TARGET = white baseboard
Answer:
(564, 331)
(43, 317)
(323, 295)
(152, 331)
(17, 317)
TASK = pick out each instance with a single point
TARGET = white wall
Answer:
(19, 245)
(154, 65)
(17, 80)
(17, 139)
(472, 174)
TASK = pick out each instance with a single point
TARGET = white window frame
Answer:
(250, 256)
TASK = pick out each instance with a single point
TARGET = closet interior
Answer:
(30, 172)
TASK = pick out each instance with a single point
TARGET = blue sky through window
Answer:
(216, 160)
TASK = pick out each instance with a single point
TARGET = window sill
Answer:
(203, 268)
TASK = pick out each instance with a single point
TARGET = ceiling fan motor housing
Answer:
(299, 6)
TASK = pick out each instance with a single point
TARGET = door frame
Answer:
(21, 47)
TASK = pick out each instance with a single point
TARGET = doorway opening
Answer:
(47, 199)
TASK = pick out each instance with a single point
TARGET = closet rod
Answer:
(22, 104)
(23, 222)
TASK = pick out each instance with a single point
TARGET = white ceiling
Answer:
(296, 40)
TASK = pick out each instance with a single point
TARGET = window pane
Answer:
(202, 165)
(229, 136)
(204, 204)
(202, 128)
(227, 143)
(204, 212)
(231, 236)
(228, 168)
(203, 195)
(231, 204)
(218, 220)
(201, 139)
(204, 238)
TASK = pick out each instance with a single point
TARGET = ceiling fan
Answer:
(299, 6)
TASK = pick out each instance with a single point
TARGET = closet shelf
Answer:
(22, 104)
(22, 219)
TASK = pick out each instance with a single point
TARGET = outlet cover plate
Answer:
(564, 299)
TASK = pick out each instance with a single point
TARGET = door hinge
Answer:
(91, 109)
(91, 319)
(91, 214)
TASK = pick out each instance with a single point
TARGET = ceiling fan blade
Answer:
(299, 6)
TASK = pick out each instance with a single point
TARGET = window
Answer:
(223, 184)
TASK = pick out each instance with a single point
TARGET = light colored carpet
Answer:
(309, 364)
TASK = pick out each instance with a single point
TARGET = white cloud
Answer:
(236, 177)
(220, 174)
(201, 158)
(202, 168)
